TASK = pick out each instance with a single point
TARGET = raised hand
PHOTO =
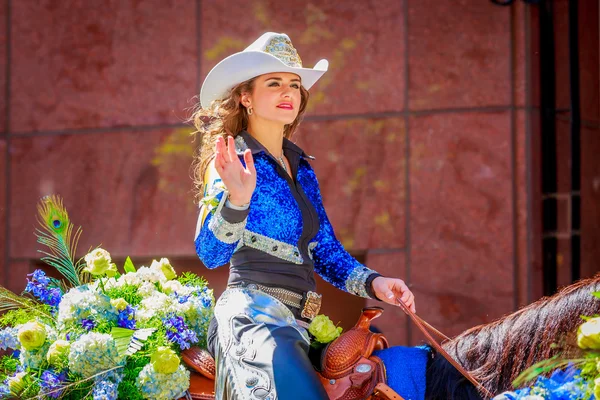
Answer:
(240, 181)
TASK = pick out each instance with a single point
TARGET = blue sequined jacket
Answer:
(284, 235)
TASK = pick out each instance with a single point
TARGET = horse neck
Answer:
(498, 352)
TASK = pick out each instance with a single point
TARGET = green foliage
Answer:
(32, 388)
(129, 267)
(157, 339)
(589, 368)
(129, 341)
(8, 366)
(192, 279)
(127, 388)
(80, 389)
(22, 315)
(102, 325)
(127, 292)
(587, 318)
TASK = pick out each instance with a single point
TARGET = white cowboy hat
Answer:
(272, 52)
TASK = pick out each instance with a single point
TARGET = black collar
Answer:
(256, 147)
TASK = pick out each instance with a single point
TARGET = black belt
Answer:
(308, 304)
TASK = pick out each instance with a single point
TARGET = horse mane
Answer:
(496, 353)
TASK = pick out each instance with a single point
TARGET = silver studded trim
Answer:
(355, 283)
(271, 246)
(225, 231)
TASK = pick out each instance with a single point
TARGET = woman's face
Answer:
(276, 97)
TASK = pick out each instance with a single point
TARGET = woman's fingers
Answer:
(221, 148)
(407, 297)
(249, 160)
(231, 149)
(219, 161)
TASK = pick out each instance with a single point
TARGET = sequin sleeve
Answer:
(332, 262)
(219, 228)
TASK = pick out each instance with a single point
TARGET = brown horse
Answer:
(495, 353)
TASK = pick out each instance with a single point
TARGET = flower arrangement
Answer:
(570, 379)
(104, 333)
(101, 332)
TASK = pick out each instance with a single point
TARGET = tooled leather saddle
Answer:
(348, 368)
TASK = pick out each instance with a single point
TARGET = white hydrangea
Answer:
(158, 386)
(92, 353)
(146, 274)
(158, 304)
(84, 302)
(147, 289)
(33, 358)
(172, 286)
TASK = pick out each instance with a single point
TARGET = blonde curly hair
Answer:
(226, 117)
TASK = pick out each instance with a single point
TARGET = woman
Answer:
(261, 211)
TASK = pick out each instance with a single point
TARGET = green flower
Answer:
(32, 335)
(17, 383)
(165, 267)
(164, 360)
(120, 304)
(58, 352)
(323, 329)
(112, 270)
(98, 262)
(588, 334)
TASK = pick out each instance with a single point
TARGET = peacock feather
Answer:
(11, 301)
(58, 236)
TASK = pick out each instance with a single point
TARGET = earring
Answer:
(249, 110)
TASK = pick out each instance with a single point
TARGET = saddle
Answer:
(348, 368)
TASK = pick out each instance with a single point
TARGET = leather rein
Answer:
(424, 327)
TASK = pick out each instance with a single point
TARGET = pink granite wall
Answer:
(421, 130)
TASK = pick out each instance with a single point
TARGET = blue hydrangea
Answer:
(84, 302)
(178, 332)
(127, 317)
(105, 390)
(4, 391)
(93, 353)
(561, 385)
(40, 286)
(51, 381)
(113, 375)
(9, 339)
(156, 385)
(206, 297)
(181, 298)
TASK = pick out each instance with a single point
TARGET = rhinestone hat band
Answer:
(281, 47)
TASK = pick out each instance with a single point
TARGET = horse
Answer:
(497, 352)
(494, 353)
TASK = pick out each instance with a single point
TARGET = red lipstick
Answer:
(285, 106)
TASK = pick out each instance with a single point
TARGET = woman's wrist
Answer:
(238, 202)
